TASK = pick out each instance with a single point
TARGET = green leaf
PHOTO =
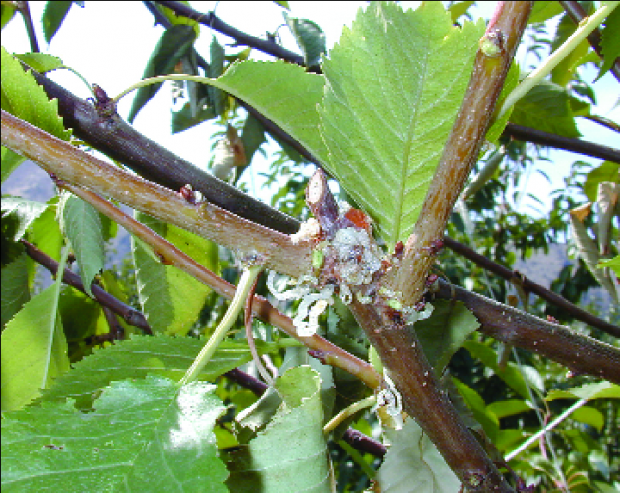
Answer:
(80, 223)
(291, 453)
(44, 231)
(309, 37)
(53, 16)
(252, 136)
(163, 356)
(284, 93)
(510, 374)
(15, 288)
(546, 107)
(10, 162)
(216, 68)
(172, 299)
(444, 332)
(606, 171)
(562, 74)
(488, 420)
(184, 119)
(41, 62)
(610, 41)
(413, 463)
(175, 43)
(24, 98)
(6, 13)
(26, 212)
(34, 350)
(589, 416)
(395, 85)
(601, 390)
(543, 10)
(509, 407)
(139, 428)
(613, 264)
(458, 9)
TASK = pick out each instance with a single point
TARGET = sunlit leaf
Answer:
(24, 98)
(291, 453)
(138, 427)
(10, 162)
(610, 41)
(413, 463)
(394, 87)
(80, 223)
(34, 351)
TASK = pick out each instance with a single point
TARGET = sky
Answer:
(109, 43)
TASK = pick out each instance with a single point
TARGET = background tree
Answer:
(397, 116)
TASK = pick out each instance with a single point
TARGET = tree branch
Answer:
(544, 293)
(275, 250)
(580, 353)
(527, 134)
(577, 13)
(120, 141)
(463, 146)
(129, 314)
(211, 20)
(170, 255)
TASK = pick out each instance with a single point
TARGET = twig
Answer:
(549, 296)
(580, 353)
(527, 134)
(170, 255)
(577, 13)
(211, 20)
(129, 314)
(24, 10)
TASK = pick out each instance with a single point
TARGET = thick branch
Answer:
(527, 134)
(579, 353)
(275, 250)
(130, 315)
(530, 286)
(120, 141)
(577, 13)
(504, 33)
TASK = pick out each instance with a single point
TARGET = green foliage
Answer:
(24, 98)
(377, 116)
(53, 16)
(394, 127)
(172, 46)
(138, 427)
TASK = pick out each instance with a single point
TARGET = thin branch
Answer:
(530, 286)
(211, 20)
(577, 13)
(129, 314)
(24, 10)
(605, 122)
(170, 255)
(527, 134)
(580, 353)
